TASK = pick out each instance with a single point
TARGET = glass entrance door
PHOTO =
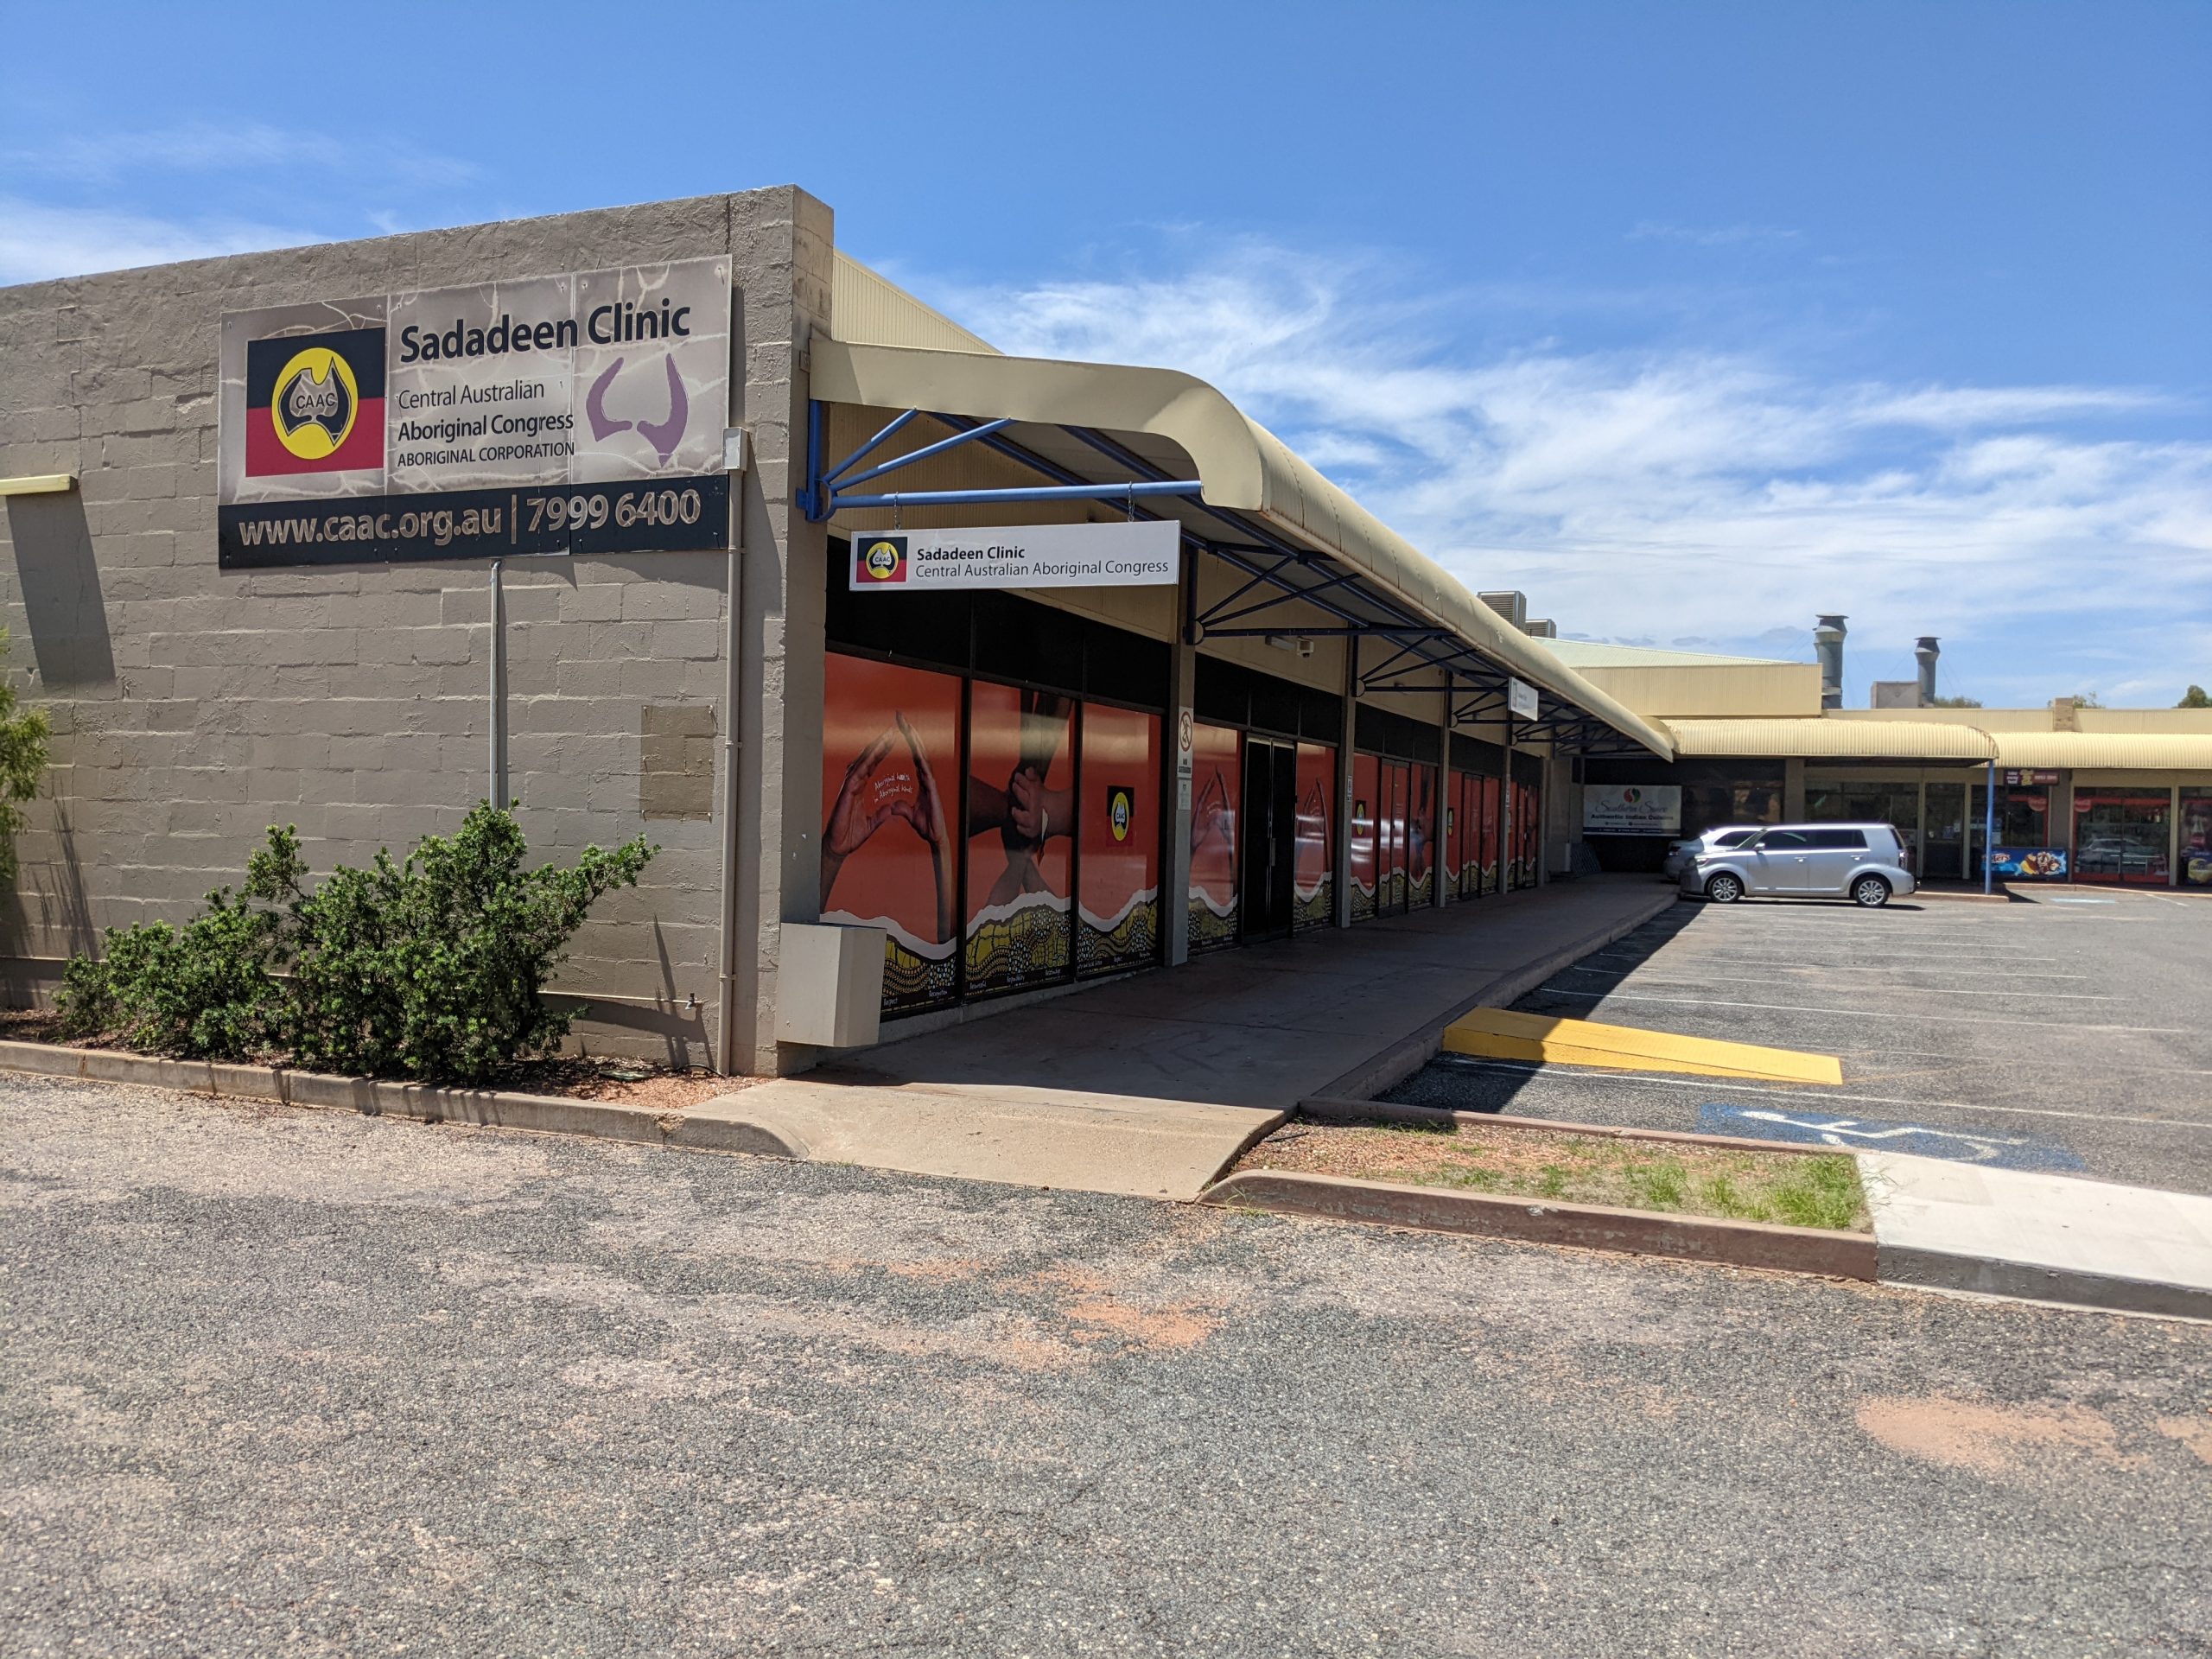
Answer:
(1946, 852)
(1267, 859)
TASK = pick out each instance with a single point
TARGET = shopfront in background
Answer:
(1710, 794)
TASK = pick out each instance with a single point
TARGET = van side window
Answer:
(1786, 841)
(1837, 838)
(1735, 838)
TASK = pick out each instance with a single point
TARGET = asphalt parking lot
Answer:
(2071, 1031)
(316, 1383)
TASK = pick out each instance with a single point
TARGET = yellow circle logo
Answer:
(1119, 811)
(315, 402)
(882, 561)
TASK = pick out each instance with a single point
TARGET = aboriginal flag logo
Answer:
(1120, 810)
(315, 404)
(879, 559)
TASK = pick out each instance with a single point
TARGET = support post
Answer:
(1347, 735)
(1441, 842)
(1175, 781)
(1988, 824)
(495, 788)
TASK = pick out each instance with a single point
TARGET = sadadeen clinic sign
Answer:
(583, 413)
(1632, 809)
(1137, 554)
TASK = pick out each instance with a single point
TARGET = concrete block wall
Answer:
(194, 706)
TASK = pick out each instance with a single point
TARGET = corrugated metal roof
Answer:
(1811, 738)
(1597, 653)
(871, 308)
(2108, 751)
(1243, 467)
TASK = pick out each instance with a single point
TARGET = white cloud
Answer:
(1675, 494)
(38, 242)
(207, 147)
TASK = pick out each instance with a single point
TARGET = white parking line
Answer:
(1858, 1014)
(1535, 1074)
(1918, 990)
(1668, 959)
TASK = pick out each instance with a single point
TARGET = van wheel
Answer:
(1870, 891)
(1725, 889)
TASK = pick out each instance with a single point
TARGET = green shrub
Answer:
(434, 969)
(23, 763)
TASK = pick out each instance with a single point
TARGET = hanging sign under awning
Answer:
(1138, 554)
(1521, 698)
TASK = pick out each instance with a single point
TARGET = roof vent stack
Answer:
(1513, 606)
(1541, 629)
(1925, 652)
(1828, 641)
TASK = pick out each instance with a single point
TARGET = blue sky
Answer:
(1691, 320)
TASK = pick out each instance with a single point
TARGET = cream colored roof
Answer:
(1597, 653)
(1812, 738)
(2108, 751)
(869, 306)
(1243, 467)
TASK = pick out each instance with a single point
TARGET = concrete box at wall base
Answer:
(832, 985)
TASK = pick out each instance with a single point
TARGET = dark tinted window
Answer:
(1734, 838)
(1786, 841)
(1836, 838)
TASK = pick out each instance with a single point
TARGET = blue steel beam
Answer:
(870, 446)
(924, 453)
(1021, 493)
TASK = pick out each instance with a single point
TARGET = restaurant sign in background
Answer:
(581, 413)
(1632, 809)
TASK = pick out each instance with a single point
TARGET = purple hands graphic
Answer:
(664, 435)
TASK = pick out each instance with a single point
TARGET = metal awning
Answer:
(1813, 737)
(1168, 445)
(2107, 751)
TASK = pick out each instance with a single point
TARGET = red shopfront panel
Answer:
(1217, 788)
(1117, 901)
(1486, 853)
(1313, 897)
(1420, 837)
(1021, 819)
(1366, 851)
(892, 780)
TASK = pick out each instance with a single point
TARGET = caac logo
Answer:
(314, 402)
(1120, 810)
(878, 560)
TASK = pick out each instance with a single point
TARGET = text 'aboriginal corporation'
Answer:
(520, 438)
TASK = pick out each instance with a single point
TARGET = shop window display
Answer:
(890, 750)
(1217, 782)
(1313, 885)
(1117, 904)
(1021, 821)
(1366, 861)
(2197, 837)
(1420, 834)
(2120, 835)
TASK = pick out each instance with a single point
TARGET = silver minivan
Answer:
(1679, 854)
(1863, 862)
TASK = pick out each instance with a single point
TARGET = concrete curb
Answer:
(1369, 1111)
(2027, 1280)
(713, 1126)
(1587, 1226)
(1391, 1066)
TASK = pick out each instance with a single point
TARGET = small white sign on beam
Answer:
(1138, 554)
(1521, 698)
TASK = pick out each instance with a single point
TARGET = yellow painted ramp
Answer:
(1502, 1034)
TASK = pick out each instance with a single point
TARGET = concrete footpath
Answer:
(1150, 1085)
(1944, 1225)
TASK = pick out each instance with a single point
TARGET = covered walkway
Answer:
(1149, 1084)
